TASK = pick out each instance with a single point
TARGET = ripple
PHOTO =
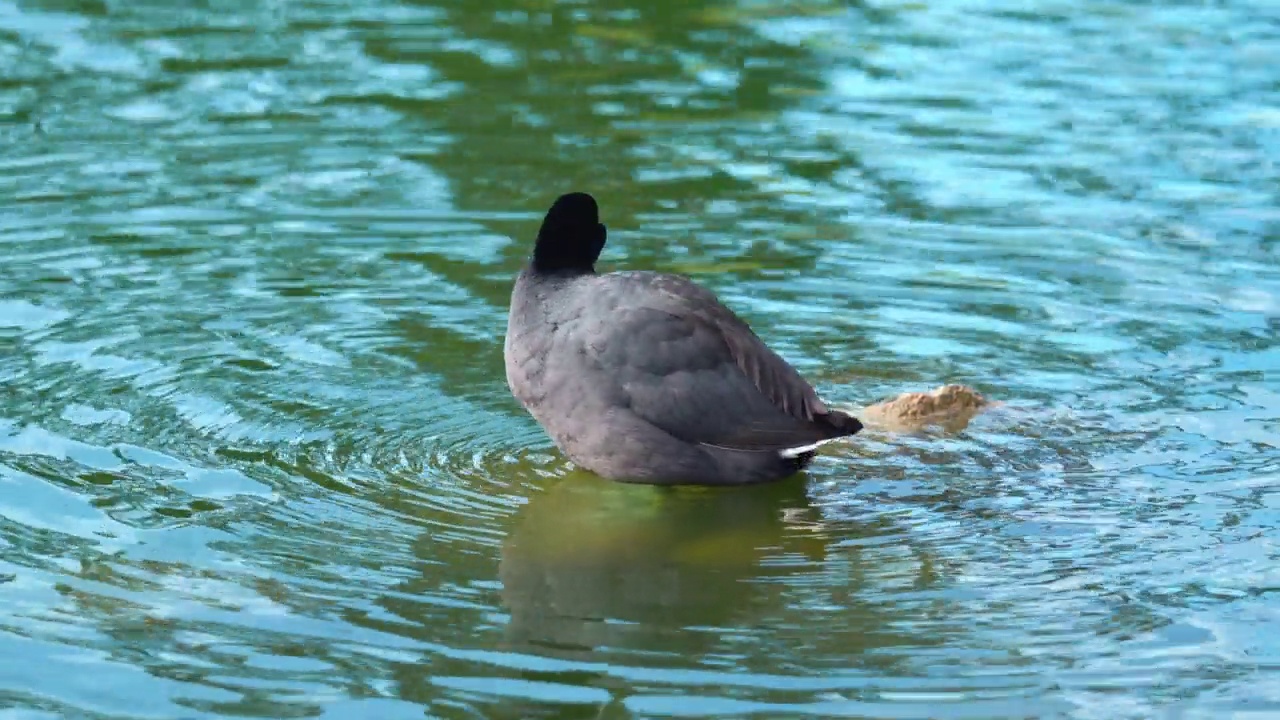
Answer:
(257, 456)
(28, 317)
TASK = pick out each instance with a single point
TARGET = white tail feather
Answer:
(797, 451)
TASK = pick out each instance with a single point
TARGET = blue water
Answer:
(258, 459)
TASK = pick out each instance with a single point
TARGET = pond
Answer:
(257, 453)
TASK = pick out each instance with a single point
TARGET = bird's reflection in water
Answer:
(592, 565)
(619, 579)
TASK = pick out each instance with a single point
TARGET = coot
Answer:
(646, 377)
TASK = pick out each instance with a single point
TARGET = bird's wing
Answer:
(685, 363)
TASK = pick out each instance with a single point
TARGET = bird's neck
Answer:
(548, 265)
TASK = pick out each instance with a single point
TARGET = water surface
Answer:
(258, 459)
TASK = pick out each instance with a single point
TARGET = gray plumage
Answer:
(647, 377)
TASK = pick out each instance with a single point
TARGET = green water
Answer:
(257, 455)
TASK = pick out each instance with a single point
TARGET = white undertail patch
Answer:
(797, 451)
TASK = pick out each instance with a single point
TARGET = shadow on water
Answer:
(604, 585)
(589, 565)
